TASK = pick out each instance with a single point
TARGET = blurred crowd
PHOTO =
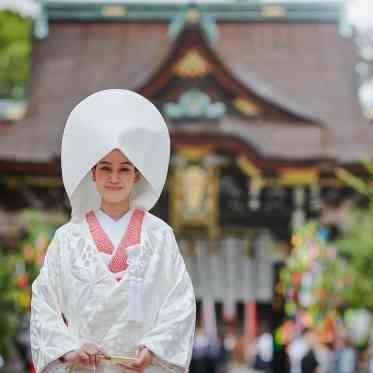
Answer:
(231, 352)
(305, 353)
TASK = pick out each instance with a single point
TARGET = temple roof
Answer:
(314, 66)
(301, 73)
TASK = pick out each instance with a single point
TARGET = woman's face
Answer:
(115, 177)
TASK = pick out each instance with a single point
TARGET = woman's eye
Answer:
(105, 168)
(125, 169)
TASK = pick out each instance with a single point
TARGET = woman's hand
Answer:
(143, 360)
(88, 355)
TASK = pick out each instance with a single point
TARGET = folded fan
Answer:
(112, 359)
(117, 359)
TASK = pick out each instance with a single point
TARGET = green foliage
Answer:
(356, 247)
(8, 317)
(313, 276)
(15, 54)
(321, 279)
(347, 279)
(19, 268)
(356, 243)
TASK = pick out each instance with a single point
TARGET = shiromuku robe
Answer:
(76, 299)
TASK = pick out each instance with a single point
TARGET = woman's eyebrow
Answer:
(109, 163)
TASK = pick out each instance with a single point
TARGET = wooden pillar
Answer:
(250, 320)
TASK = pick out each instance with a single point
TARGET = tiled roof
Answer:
(307, 68)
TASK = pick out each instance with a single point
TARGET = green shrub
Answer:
(15, 54)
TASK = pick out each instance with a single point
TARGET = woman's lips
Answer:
(113, 188)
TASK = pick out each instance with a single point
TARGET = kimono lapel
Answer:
(103, 244)
(132, 237)
(116, 302)
(100, 238)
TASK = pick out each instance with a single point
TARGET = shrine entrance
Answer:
(236, 275)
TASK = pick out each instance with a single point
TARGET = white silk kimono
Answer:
(76, 299)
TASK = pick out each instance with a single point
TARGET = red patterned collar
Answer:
(131, 237)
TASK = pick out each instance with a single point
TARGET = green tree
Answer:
(15, 54)
(356, 243)
(7, 308)
(19, 268)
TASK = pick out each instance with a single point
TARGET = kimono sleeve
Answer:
(171, 338)
(50, 337)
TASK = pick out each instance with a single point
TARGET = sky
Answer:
(360, 13)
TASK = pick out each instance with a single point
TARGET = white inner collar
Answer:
(115, 229)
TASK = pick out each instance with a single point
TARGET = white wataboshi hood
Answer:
(107, 120)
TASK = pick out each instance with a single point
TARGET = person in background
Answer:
(297, 349)
(345, 355)
(263, 351)
(309, 362)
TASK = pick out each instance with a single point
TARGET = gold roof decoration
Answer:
(117, 10)
(246, 107)
(248, 167)
(298, 176)
(193, 15)
(273, 11)
(194, 153)
(192, 65)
